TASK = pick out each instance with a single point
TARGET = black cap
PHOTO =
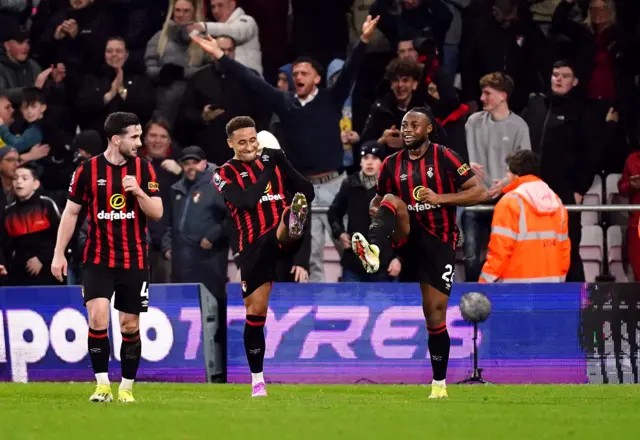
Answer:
(13, 31)
(89, 141)
(6, 150)
(194, 153)
(372, 147)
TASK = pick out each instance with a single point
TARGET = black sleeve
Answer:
(234, 191)
(294, 181)
(338, 210)
(385, 179)
(458, 169)
(78, 187)
(341, 89)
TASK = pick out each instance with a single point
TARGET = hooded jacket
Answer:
(529, 235)
(14, 76)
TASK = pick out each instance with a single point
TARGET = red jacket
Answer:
(631, 168)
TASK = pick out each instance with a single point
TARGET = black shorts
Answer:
(129, 286)
(432, 260)
(258, 263)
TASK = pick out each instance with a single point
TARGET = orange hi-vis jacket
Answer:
(529, 236)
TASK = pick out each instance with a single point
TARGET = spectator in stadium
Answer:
(406, 50)
(171, 58)
(529, 232)
(350, 137)
(114, 89)
(352, 200)
(158, 148)
(564, 135)
(9, 159)
(212, 98)
(492, 135)
(500, 36)
(454, 36)
(311, 122)
(195, 241)
(607, 64)
(232, 21)
(30, 226)
(14, 10)
(76, 37)
(6, 113)
(629, 186)
(18, 70)
(32, 108)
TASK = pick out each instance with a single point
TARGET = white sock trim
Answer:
(256, 378)
(102, 379)
(127, 384)
(442, 382)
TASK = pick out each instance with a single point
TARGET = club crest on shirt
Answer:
(218, 182)
(464, 169)
(430, 172)
(196, 197)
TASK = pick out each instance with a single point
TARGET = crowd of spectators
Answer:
(560, 77)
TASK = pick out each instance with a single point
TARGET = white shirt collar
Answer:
(309, 98)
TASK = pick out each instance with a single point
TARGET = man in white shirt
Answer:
(232, 21)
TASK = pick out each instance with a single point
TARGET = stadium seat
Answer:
(614, 198)
(591, 251)
(615, 244)
(592, 197)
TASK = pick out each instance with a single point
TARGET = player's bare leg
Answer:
(130, 353)
(434, 306)
(256, 305)
(99, 347)
(391, 223)
(293, 219)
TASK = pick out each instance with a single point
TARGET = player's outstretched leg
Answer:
(254, 342)
(99, 348)
(130, 354)
(390, 222)
(434, 305)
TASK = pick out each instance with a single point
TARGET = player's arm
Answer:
(471, 189)
(243, 198)
(294, 181)
(65, 231)
(149, 195)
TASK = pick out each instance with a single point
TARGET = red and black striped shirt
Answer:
(117, 227)
(439, 169)
(256, 197)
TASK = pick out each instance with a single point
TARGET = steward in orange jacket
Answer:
(529, 233)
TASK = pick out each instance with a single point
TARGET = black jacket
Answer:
(29, 230)
(353, 201)
(564, 135)
(91, 109)
(213, 86)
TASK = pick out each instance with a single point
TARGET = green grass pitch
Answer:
(182, 412)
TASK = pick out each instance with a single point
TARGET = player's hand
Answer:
(59, 267)
(495, 191)
(130, 184)
(394, 268)
(478, 170)
(33, 266)
(300, 274)
(368, 28)
(3, 270)
(171, 166)
(206, 244)
(209, 45)
(429, 196)
(345, 240)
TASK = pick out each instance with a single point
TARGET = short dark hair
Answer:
(3, 95)
(238, 123)
(32, 95)
(523, 163)
(160, 122)
(116, 38)
(117, 123)
(33, 170)
(498, 81)
(306, 59)
(433, 136)
(564, 63)
(397, 69)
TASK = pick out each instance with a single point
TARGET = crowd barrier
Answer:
(336, 333)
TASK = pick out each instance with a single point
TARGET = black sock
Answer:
(439, 346)
(254, 342)
(382, 225)
(99, 350)
(130, 353)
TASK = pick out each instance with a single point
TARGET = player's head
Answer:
(33, 104)
(563, 78)
(243, 138)
(496, 90)
(307, 74)
(371, 158)
(25, 182)
(523, 163)
(123, 133)
(416, 127)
